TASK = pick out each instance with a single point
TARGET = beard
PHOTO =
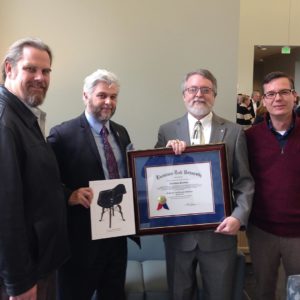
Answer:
(199, 110)
(100, 115)
(35, 98)
(105, 117)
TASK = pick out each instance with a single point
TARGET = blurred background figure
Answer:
(254, 103)
(243, 115)
(239, 98)
(260, 114)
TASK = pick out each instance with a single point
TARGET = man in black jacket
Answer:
(33, 233)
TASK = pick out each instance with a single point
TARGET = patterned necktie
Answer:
(109, 155)
(198, 133)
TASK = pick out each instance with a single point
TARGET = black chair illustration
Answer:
(111, 199)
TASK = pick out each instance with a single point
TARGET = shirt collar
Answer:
(95, 124)
(36, 111)
(206, 121)
(270, 125)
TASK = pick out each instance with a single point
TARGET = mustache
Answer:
(199, 100)
(106, 107)
(38, 84)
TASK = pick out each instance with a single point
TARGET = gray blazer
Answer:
(242, 184)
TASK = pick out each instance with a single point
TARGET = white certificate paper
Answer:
(112, 208)
(177, 190)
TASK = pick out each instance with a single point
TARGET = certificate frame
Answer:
(202, 170)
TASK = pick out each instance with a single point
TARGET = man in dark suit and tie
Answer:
(91, 147)
(214, 251)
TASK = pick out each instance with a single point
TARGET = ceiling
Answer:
(262, 51)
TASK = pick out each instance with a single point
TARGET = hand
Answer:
(28, 295)
(82, 196)
(177, 145)
(230, 226)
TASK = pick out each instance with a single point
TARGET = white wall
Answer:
(267, 22)
(150, 45)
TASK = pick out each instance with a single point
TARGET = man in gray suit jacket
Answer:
(214, 251)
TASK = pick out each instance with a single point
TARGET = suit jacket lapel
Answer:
(182, 130)
(88, 136)
(122, 140)
(118, 138)
(218, 129)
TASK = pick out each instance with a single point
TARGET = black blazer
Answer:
(251, 107)
(80, 162)
(33, 231)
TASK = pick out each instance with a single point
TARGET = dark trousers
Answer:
(46, 289)
(106, 275)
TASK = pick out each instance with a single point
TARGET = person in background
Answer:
(243, 116)
(81, 146)
(274, 149)
(239, 98)
(260, 113)
(33, 229)
(214, 251)
(297, 106)
(254, 102)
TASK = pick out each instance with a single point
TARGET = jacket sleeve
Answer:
(161, 138)
(242, 181)
(54, 140)
(17, 268)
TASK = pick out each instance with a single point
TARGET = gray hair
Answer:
(101, 75)
(202, 72)
(15, 52)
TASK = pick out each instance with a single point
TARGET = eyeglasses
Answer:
(282, 93)
(194, 90)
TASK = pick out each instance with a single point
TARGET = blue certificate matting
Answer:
(214, 155)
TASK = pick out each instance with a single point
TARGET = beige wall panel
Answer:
(150, 45)
(268, 22)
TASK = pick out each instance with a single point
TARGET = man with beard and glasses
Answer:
(79, 145)
(33, 229)
(214, 251)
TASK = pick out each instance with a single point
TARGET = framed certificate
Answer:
(176, 193)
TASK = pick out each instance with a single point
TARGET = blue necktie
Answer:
(112, 165)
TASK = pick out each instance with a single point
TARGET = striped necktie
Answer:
(112, 165)
(198, 135)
